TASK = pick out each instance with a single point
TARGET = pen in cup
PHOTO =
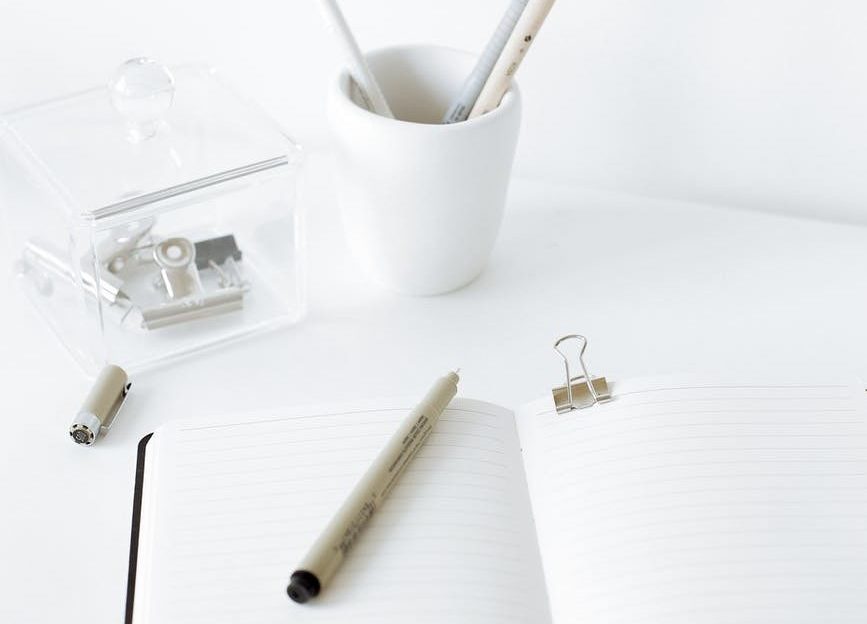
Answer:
(368, 88)
(510, 59)
(472, 87)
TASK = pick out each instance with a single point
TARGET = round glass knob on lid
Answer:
(142, 91)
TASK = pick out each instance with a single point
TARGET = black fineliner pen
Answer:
(328, 552)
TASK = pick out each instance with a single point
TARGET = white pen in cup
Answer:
(516, 48)
(365, 82)
(475, 82)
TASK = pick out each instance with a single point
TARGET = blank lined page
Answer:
(702, 502)
(234, 504)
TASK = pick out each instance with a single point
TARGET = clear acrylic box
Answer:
(153, 217)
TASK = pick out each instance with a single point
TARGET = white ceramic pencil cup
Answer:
(421, 201)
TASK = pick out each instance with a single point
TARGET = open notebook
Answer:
(675, 502)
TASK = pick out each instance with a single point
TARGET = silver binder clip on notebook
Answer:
(581, 391)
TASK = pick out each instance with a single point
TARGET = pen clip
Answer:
(119, 400)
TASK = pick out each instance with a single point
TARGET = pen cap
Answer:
(101, 405)
(443, 391)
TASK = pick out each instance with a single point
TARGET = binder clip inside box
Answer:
(153, 216)
(583, 390)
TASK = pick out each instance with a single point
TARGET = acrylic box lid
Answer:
(150, 134)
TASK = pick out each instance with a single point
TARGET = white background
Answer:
(743, 104)
(660, 287)
(750, 103)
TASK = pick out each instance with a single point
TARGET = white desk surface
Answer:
(658, 286)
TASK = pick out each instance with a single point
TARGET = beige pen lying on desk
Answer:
(328, 552)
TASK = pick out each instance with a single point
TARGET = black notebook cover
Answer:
(136, 524)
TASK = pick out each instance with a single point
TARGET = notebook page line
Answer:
(455, 520)
(634, 502)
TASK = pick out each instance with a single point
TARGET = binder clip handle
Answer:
(583, 390)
